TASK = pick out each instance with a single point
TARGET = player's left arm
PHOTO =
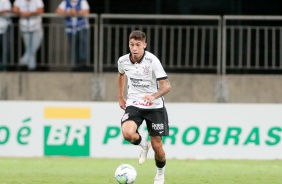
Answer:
(165, 87)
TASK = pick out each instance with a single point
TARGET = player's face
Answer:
(137, 48)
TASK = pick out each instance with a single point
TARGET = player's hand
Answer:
(122, 103)
(148, 99)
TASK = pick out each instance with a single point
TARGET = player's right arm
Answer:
(121, 83)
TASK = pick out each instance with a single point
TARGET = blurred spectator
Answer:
(5, 8)
(31, 28)
(77, 29)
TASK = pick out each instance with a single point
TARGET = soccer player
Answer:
(147, 84)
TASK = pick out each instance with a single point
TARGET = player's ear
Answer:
(145, 45)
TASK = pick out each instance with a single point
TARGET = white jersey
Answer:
(142, 79)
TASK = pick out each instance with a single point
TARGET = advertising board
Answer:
(92, 129)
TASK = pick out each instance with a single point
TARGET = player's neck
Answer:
(136, 60)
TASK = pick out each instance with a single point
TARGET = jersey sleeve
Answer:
(85, 5)
(40, 4)
(120, 67)
(17, 3)
(7, 6)
(62, 5)
(159, 70)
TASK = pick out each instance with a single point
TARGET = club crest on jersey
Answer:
(146, 70)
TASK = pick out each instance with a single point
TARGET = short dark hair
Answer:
(137, 35)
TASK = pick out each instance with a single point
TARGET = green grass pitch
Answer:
(70, 170)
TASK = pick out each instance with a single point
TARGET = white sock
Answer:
(160, 171)
(143, 143)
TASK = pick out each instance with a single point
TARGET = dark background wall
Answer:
(209, 7)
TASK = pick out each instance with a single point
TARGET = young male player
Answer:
(147, 84)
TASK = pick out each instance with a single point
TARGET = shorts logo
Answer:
(124, 117)
(157, 126)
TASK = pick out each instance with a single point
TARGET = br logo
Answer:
(66, 140)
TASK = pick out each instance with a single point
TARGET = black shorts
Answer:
(156, 119)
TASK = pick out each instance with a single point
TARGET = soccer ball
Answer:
(125, 174)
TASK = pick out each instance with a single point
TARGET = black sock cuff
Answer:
(137, 142)
(160, 164)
